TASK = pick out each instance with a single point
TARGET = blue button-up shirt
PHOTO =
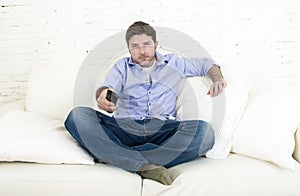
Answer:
(145, 95)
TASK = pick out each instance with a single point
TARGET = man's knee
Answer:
(81, 110)
(74, 116)
(206, 131)
(210, 136)
(73, 121)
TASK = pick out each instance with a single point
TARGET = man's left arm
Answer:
(219, 83)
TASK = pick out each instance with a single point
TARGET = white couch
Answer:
(254, 153)
(38, 157)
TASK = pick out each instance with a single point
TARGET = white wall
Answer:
(259, 36)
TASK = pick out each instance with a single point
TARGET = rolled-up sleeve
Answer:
(195, 66)
(115, 77)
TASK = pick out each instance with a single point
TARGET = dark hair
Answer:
(138, 28)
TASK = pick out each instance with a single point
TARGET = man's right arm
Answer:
(99, 91)
(102, 102)
(113, 82)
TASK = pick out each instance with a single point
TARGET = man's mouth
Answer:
(143, 58)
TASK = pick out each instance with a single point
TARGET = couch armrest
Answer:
(18, 105)
(296, 153)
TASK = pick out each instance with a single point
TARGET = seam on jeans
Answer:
(144, 131)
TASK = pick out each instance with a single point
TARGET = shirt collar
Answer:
(161, 59)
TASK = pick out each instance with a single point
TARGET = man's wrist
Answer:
(215, 74)
(220, 79)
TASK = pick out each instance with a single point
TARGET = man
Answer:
(143, 136)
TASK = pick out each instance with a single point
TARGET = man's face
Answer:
(142, 49)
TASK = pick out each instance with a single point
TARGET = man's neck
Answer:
(148, 69)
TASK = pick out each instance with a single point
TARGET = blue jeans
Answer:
(129, 144)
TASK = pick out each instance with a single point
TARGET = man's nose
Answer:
(141, 49)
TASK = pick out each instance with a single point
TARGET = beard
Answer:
(145, 60)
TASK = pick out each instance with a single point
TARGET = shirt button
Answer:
(141, 118)
(149, 92)
(149, 104)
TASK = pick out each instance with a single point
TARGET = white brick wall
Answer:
(260, 36)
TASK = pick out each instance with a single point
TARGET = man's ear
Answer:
(155, 44)
(128, 49)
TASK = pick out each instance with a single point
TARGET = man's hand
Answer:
(219, 83)
(217, 87)
(103, 103)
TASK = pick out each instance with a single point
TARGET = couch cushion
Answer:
(50, 91)
(30, 137)
(228, 110)
(20, 179)
(234, 176)
(267, 128)
(193, 103)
